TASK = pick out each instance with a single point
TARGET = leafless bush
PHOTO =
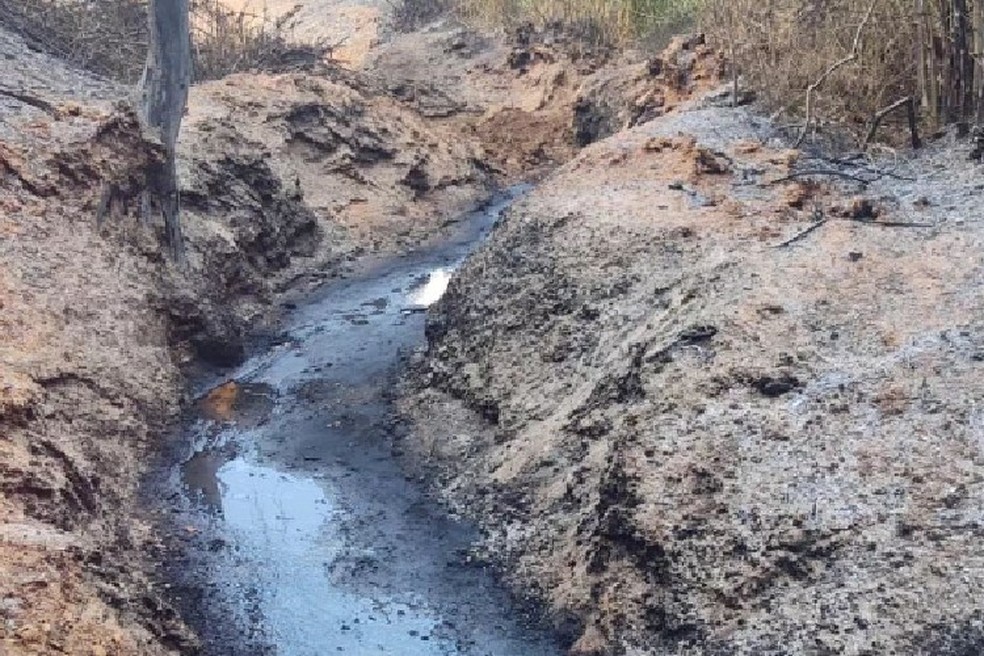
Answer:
(109, 37)
(228, 42)
(855, 58)
(608, 21)
(409, 15)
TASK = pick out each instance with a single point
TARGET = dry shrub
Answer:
(781, 47)
(612, 21)
(109, 37)
(924, 49)
(409, 15)
(226, 42)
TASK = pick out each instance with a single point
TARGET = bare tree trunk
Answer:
(964, 61)
(933, 21)
(163, 96)
(978, 54)
(922, 57)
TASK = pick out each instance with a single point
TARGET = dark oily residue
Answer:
(318, 544)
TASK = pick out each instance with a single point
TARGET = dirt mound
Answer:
(531, 101)
(84, 374)
(700, 411)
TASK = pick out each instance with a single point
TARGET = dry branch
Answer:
(27, 99)
(110, 37)
(831, 172)
(909, 103)
(821, 220)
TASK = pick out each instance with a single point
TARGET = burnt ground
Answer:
(700, 406)
(693, 407)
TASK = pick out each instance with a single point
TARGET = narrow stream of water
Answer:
(319, 545)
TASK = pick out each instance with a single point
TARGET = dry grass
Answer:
(612, 21)
(109, 37)
(409, 15)
(781, 47)
(906, 48)
(228, 42)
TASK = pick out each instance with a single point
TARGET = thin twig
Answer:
(880, 116)
(894, 224)
(822, 220)
(852, 160)
(33, 101)
(832, 172)
(804, 233)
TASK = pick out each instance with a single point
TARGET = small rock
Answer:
(696, 335)
(862, 208)
(776, 387)
(710, 162)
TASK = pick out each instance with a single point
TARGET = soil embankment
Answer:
(288, 188)
(703, 410)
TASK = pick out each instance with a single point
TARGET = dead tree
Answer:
(162, 101)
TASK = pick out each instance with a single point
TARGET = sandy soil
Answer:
(533, 99)
(692, 437)
(84, 375)
(354, 28)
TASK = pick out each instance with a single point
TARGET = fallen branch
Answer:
(821, 220)
(880, 115)
(859, 163)
(894, 224)
(33, 101)
(852, 56)
(831, 172)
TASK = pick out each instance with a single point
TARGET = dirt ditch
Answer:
(302, 532)
(685, 400)
(289, 181)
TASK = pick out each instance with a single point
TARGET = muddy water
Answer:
(316, 542)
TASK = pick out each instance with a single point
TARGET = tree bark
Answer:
(163, 97)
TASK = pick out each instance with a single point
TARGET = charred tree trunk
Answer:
(163, 96)
(963, 66)
(978, 56)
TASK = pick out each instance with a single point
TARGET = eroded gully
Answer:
(310, 540)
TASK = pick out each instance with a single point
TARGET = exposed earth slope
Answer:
(696, 426)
